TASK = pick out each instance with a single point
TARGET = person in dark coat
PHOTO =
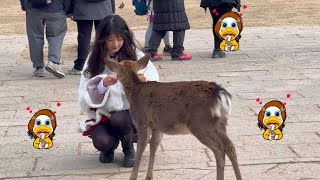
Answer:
(221, 7)
(169, 15)
(87, 14)
(49, 18)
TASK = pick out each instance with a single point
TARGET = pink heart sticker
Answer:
(284, 104)
(30, 111)
(58, 104)
(288, 95)
(214, 11)
(260, 102)
(258, 99)
(245, 6)
(241, 14)
(28, 108)
(217, 14)
(54, 112)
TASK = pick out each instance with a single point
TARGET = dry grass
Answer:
(258, 13)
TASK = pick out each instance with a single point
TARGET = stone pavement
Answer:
(271, 62)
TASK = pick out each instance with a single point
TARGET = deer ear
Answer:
(113, 65)
(143, 62)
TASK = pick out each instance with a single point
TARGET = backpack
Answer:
(40, 3)
(141, 7)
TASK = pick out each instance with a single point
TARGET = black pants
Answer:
(222, 9)
(105, 136)
(84, 37)
(113, 3)
(178, 39)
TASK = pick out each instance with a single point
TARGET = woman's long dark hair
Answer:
(112, 24)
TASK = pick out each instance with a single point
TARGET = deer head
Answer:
(127, 66)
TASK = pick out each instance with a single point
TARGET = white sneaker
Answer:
(55, 69)
(39, 72)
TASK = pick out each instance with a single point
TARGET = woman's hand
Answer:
(110, 80)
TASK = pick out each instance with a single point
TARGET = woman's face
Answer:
(114, 43)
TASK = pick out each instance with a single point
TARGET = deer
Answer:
(201, 108)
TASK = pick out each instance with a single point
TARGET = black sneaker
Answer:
(217, 53)
(105, 157)
(167, 50)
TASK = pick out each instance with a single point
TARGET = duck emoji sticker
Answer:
(271, 118)
(41, 128)
(228, 29)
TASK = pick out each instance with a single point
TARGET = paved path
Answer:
(271, 62)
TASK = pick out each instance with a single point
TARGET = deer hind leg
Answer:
(231, 153)
(144, 135)
(210, 139)
(154, 144)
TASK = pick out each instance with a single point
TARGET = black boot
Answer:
(217, 53)
(128, 151)
(107, 157)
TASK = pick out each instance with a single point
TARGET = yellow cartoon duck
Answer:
(271, 118)
(228, 29)
(41, 127)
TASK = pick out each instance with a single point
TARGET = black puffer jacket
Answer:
(170, 15)
(214, 3)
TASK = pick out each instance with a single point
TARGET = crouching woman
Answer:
(101, 95)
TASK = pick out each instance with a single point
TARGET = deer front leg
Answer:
(154, 144)
(144, 135)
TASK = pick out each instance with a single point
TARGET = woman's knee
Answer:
(102, 140)
(121, 122)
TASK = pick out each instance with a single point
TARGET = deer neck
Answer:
(130, 86)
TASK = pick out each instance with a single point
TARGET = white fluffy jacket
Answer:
(113, 99)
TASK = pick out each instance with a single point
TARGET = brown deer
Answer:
(197, 107)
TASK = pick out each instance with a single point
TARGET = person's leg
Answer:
(222, 9)
(122, 125)
(148, 36)
(84, 36)
(35, 33)
(104, 141)
(167, 48)
(166, 39)
(177, 49)
(96, 25)
(56, 28)
(154, 44)
(113, 4)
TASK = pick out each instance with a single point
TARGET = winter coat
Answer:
(112, 100)
(215, 3)
(170, 15)
(84, 10)
(55, 6)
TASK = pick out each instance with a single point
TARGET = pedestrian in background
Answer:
(166, 39)
(87, 13)
(217, 9)
(49, 18)
(169, 15)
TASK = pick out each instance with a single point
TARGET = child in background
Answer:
(167, 49)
